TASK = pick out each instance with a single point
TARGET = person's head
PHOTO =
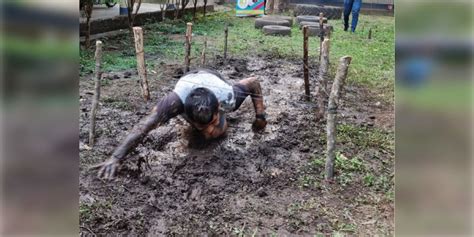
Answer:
(201, 105)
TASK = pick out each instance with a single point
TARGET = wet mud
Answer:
(175, 183)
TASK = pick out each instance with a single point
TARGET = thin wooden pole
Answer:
(339, 80)
(321, 33)
(141, 67)
(189, 33)
(322, 79)
(226, 34)
(203, 54)
(95, 101)
(305, 62)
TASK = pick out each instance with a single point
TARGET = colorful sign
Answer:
(250, 7)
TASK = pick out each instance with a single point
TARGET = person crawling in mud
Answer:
(202, 98)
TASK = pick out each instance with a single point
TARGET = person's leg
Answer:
(347, 12)
(355, 13)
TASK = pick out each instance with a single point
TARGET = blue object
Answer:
(123, 7)
(354, 6)
(123, 10)
(414, 72)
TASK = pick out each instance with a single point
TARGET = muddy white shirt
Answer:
(221, 89)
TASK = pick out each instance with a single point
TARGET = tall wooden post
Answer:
(321, 33)
(141, 67)
(305, 62)
(189, 34)
(226, 34)
(341, 75)
(322, 79)
(95, 101)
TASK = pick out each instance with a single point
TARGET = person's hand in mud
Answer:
(108, 168)
(259, 123)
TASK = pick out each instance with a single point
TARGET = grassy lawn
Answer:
(372, 64)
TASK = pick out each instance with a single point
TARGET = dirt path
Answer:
(244, 183)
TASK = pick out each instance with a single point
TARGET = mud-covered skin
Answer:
(168, 107)
(251, 86)
(171, 106)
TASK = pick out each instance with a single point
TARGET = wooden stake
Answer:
(339, 80)
(203, 55)
(321, 89)
(226, 33)
(370, 33)
(95, 101)
(305, 62)
(321, 33)
(141, 67)
(189, 34)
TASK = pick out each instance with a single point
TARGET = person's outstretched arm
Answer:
(168, 107)
(251, 86)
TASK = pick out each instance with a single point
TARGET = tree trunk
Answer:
(176, 9)
(184, 3)
(88, 6)
(341, 75)
(88, 32)
(194, 9)
(95, 101)
(163, 10)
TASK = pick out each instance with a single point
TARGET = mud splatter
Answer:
(243, 183)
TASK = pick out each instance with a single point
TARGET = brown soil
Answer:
(245, 183)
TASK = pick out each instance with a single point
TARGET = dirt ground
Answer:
(244, 184)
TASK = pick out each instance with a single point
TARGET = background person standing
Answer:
(354, 6)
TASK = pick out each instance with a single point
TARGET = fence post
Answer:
(189, 33)
(95, 101)
(339, 80)
(321, 33)
(203, 54)
(141, 67)
(305, 63)
(321, 90)
(226, 34)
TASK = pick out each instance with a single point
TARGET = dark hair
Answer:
(200, 105)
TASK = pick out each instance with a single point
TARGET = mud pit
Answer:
(246, 183)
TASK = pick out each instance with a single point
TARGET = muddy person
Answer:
(202, 98)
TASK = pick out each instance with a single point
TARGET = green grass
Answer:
(89, 212)
(365, 137)
(438, 95)
(372, 64)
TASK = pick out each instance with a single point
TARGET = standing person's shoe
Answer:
(345, 27)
